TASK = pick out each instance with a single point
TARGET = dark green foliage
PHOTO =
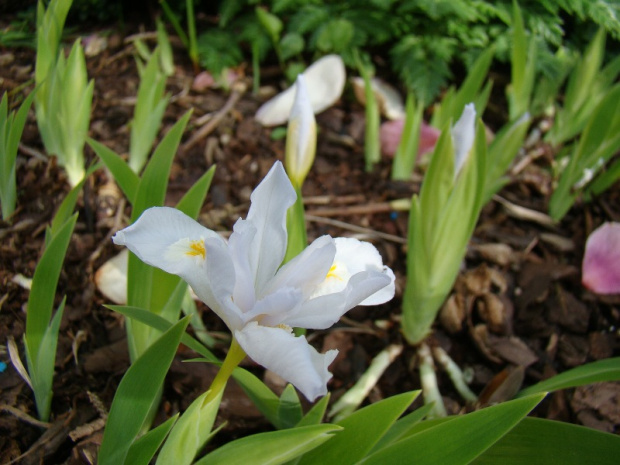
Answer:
(421, 40)
(218, 49)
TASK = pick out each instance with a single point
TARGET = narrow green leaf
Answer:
(151, 192)
(536, 441)
(289, 409)
(41, 365)
(445, 442)
(143, 449)
(407, 152)
(502, 152)
(192, 201)
(362, 430)
(67, 205)
(155, 321)
(271, 448)
(473, 82)
(191, 432)
(402, 427)
(154, 182)
(316, 413)
(135, 395)
(594, 372)
(263, 397)
(126, 179)
(44, 282)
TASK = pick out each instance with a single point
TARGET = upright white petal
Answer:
(270, 201)
(463, 134)
(218, 287)
(239, 246)
(290, 357)
(301, 135)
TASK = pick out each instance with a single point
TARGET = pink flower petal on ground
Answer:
(391, 132)
(428, 138)
(601, 261)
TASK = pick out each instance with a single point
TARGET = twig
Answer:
(24, 416)
(357, 229)
(32, 152)
(523, 213)
(238, 89)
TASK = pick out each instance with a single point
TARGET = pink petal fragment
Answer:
(601, 261)
(391, 131)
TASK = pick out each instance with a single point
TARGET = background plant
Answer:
(11, 127)
(64, 97)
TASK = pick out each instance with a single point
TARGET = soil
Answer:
(518, 307)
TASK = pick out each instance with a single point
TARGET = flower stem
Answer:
(233, 358)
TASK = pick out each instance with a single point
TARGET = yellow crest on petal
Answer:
(197, 249)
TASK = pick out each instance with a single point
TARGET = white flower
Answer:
(242, 281)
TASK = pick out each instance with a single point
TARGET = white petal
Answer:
(272, 309)
(168, 239)
(217, 289)
(323, 311)
(352, 257)
(270, 201)
(325, 79)
(111, 278)
(239, 246)
(463, 134)
(308, 269)
(290, 357)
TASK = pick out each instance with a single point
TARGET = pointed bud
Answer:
(463, 134)
(301, 136)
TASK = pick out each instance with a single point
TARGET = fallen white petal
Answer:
(111, 278)
(389, 100)
(325, 80)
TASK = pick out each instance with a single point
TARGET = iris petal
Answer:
(270, 201)
(290, 357)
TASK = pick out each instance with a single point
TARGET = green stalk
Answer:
(296, 227)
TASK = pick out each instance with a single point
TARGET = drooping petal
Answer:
(270, 201)
(290, 357)
(308, 269)
(323, 311)
(463, 134)
(352, 257)
(601, 261)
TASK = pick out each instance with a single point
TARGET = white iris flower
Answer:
(242, 281)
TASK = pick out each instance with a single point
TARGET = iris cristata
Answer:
(260, 301)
